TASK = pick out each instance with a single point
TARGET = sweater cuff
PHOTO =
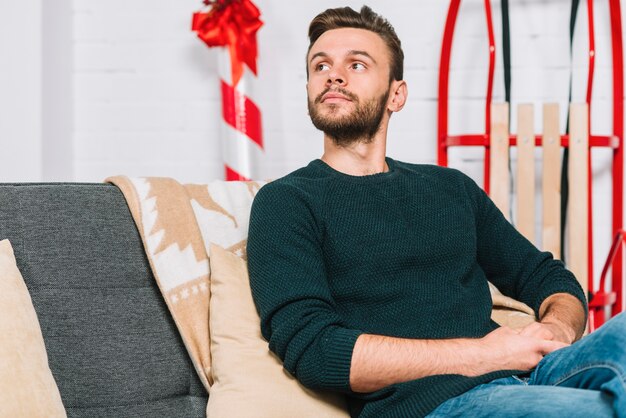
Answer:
(571, 287)
(339, 358)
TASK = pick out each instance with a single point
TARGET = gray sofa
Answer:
(112, 346)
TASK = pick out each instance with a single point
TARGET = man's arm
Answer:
(379, 361)
(290, 289)
(562, 318)
(519, 270)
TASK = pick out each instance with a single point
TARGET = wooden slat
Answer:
(551, 180)
(526, 171)
(578, 181)
(499, 165)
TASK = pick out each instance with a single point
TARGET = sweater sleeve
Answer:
(289, 285)
(511, 262)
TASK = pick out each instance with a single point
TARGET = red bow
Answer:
(234, 24)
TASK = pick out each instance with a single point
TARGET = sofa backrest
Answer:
(112, 346)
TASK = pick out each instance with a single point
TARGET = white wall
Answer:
(20, 90)
(146, 92)
(57, 90)
(147, 100)
(93, 88)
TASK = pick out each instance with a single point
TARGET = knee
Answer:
(618, 321)
(614, 330)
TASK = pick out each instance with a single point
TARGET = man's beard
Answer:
(359, 126)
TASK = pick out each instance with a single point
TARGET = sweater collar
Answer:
(319, 164)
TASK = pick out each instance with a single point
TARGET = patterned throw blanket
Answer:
(178, 223)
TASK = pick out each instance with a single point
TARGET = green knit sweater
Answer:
(406, 253)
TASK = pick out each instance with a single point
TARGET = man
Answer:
(370, 274)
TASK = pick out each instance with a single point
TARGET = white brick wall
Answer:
(145, 97)
(20, 92)
(146, 92)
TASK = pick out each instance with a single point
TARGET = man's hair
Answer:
(345, 17)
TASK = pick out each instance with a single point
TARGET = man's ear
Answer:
(397, 96)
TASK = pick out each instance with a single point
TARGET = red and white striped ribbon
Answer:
(242, 134)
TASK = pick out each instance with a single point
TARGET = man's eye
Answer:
(321, 67)
(358, 66)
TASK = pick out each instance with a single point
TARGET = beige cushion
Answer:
(508, 311)
(249, 381)
(27, 388)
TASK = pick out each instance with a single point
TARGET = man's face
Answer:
(348, 86)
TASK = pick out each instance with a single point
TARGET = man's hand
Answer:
(509, 349)
(549, 329)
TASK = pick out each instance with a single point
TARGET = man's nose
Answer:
(336, 77)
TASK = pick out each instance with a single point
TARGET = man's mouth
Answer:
(335, 96)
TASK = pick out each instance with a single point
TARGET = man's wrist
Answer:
(475, 358)
(567, 332)
(564, 312)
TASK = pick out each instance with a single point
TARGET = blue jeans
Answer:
(586, 379)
